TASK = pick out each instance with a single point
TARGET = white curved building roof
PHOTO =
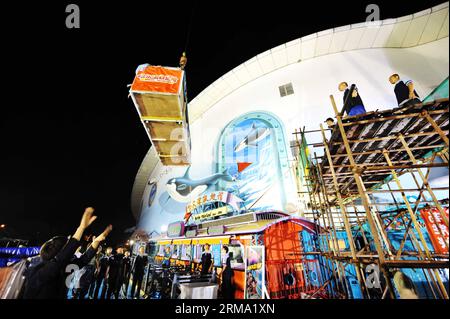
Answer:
(405, 32)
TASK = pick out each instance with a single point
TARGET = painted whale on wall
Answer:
(184, 189)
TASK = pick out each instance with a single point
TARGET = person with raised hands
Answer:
(86, 263)
(47, 279)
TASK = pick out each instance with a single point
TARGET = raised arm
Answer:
(64, 256)
(98, 240)
(87, 219)
(92, 249)
(346, 97)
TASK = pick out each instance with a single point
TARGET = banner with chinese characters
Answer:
(223, 197)
(436, 227)
(254, 272)
(195, 209)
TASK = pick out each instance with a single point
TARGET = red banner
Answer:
(436, 228)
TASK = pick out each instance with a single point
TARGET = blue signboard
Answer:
(216, 252)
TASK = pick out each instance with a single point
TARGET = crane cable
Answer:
(191, 22)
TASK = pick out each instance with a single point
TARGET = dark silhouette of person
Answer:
(227, 274)
(140, 262)
(207, 260)
(115, 274)
(48, 278)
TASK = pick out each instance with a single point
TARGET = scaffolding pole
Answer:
(359, 159)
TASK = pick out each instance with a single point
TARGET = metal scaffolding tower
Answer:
(359, 179)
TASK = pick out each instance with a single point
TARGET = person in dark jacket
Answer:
(126, 271)
(87, 278)
(207, 260)
(48, 279)
(404, 91)
(140, 262)
(227, 275)
(77, 269)
(115, 274)
(353, 104)
(96, 263)
(101, 272)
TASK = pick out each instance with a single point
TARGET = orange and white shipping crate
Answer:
(159, 94)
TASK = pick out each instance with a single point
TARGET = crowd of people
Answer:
(78, 267)
(109, 275)
(65, 269)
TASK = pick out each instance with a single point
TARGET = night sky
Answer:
(71, 138)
